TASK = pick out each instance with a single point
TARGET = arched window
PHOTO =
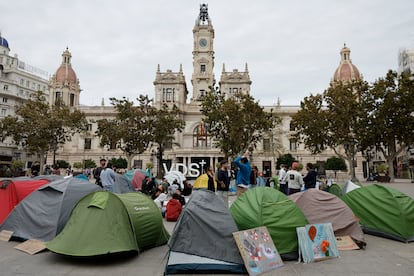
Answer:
(201, 137)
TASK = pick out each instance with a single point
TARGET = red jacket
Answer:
(173, 210)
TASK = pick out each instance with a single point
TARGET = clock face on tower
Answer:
(202, 42)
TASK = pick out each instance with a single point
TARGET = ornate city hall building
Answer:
(18, 81)
(193, 146)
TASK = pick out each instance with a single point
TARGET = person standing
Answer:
(283, 187)
(206, 180)
(35, 168)
(97, 172)
(411, 165)
(223, 182)
(310, 178)
(261, 182)
(243, 174)
(253, 176)
(108, 178)
(56, 170)
(294, 179)
(211, 185)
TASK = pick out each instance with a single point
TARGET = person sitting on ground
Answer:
(180, 197)
(173, 187)
(188, 188)
(174, 208)
(150, 187)
(159, 197)
(165, 184)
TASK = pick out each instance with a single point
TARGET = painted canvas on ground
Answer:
(346, 243)
(317, 242)
(257, 250)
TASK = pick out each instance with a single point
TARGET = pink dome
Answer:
(65, 73)
(346, 71)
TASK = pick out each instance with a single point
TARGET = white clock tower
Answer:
(203, 54)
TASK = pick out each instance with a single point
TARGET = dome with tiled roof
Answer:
(346, 71)
(65, 73)
(4, 42)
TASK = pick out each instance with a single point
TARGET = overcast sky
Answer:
(292, 47)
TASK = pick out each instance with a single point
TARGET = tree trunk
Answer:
(350, 160)
(129, 159)
(42, 161)
(160, 173)
(390, 164)
(390, 155)
(348, 157)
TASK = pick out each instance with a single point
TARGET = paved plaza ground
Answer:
(381, 257)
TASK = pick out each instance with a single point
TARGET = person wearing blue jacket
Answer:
(243, 175)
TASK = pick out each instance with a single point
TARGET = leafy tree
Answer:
(165, 123)
(130, 130)
(335, 164)
(120, 163)
(39, 127)
(389, 122)
(382, 168)
(310, 123)
(135, 127)
(333, 120)
(236, 123)
(62, 164)
(89, 163)
(319, 166)
(77, 165)
(18, 165)
(286, 159)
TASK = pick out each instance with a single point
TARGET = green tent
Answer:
(335, 189)
(104, 222)
(383, 211)
(263, 206)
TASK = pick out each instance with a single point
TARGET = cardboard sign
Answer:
(31, 246)
(257, 250)
(5, 235)
(346, 243)
(317, 242)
